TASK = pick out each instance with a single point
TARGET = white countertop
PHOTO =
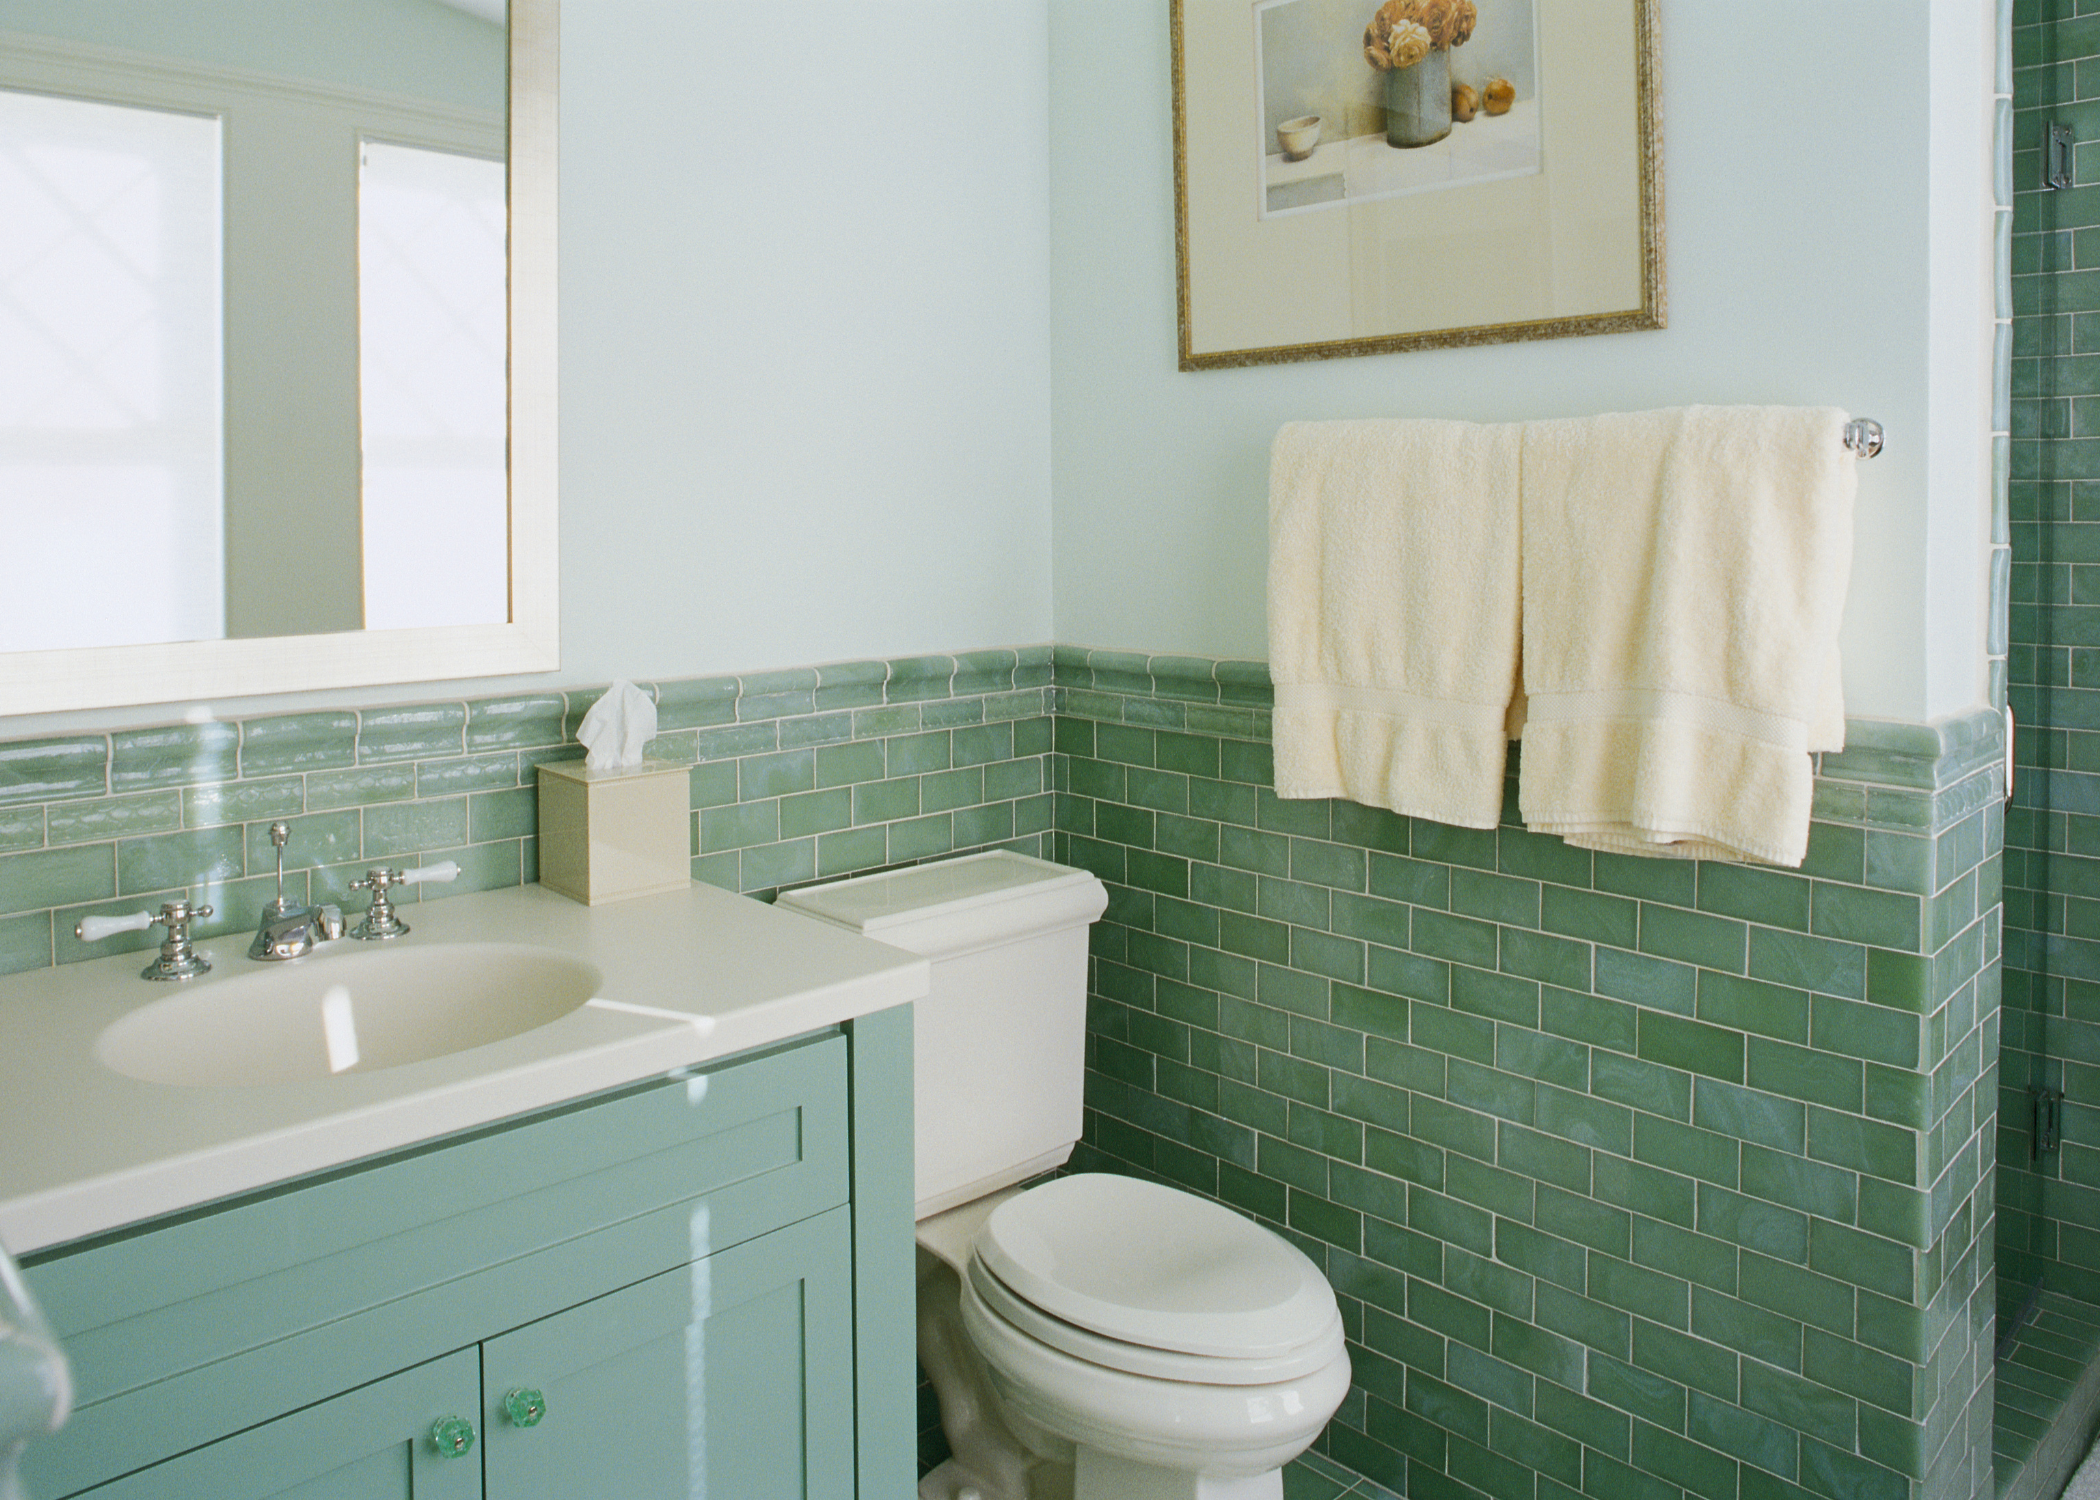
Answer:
(687, 977)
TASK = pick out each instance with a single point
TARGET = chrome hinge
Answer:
(2058, 160)
(2048, 1121)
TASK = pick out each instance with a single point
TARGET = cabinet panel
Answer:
(186, 1331)
(368, 1444)
(748, 1353)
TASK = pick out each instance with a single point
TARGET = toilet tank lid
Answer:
(1153, 1265)
(898, 905)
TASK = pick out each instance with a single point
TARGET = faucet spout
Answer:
(295, 933)
(288, 930)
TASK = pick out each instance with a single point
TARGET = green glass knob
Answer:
(454, 1436)
(526, 1407)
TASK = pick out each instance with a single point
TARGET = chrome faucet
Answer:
(382, 923)
(287, 929)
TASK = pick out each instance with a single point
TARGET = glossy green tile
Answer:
(1762, 896)
(21, 828)
(815, 812)
(1748, 1115)
(851, 851)
(1652, 982)
(922, 838)
(1694, 938)
(1882, 919)
(1809, 963)
(411, 732)
(771, 866)
(25, 943)
(512, 723)
(478, 773)
(404, 828)
(175, 861)
(1588, 915)
(776, 774)
(914, 679)
(885, 801)
(503, 815)
(1691, 1045)
(1755, 1440)
(1799, 1073)
(850, 684)
(311, 842)
(1811, 1187)
(1767, 1228)
(1858, 1371)
(298, 742)
(359, 787)
(105, 818)
(739, 826)
(243, 801)
(1872, 1032)
(173, 755)
(1862, 1145)
(776, 695)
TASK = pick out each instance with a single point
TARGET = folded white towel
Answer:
(1684, 577)
(1393, 613)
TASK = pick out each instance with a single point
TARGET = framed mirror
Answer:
(278, 282)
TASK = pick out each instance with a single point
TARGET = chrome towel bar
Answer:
(1863, 436)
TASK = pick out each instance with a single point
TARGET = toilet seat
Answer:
(1138, 1359)
(1186, 1427)
(1156, 1268)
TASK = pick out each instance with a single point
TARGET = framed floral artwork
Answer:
(1356, 177)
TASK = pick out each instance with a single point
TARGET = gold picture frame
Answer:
(1540, 218)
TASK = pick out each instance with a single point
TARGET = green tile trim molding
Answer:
(796, 775)
(1634, 1177)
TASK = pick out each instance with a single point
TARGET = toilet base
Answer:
(1102, 1476)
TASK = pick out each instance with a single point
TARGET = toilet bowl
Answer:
(1092, 1336)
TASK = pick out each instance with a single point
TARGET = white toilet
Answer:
(1094, 1337)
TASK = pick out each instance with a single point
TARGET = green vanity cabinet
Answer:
(684, 1287)
(744, 1356)
(372, 1443)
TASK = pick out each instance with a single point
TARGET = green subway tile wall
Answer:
(795, 775)
(2049, 1204)
(1635, 1177)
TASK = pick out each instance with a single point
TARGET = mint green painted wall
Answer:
(1790, 280)
(422, 49)
(805, 365)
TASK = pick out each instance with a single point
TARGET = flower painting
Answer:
(1369, 176)
(1416, 97)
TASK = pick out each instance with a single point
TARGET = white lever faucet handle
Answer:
(444, 869)
(95, 929)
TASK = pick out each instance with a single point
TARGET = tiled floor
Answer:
(2048, 1393)
(1315, 1478)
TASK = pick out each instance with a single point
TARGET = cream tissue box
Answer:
(607, 835)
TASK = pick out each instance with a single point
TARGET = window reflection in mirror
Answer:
(257, 281)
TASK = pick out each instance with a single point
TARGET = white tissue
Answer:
(617, 727)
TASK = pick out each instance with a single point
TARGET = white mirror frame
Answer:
(104, 677)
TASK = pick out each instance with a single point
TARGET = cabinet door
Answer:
(373, 1443)
(728, 1378)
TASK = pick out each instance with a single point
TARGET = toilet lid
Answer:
(1155, 1266)
(1001, 1306)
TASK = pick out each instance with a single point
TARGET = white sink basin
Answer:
(343, 1012)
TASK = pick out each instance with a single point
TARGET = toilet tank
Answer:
(1000, 1039)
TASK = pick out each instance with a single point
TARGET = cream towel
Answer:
(1684, 576)
(1393, 613)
